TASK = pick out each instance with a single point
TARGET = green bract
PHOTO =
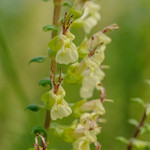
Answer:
(68, 52)
(90, 17)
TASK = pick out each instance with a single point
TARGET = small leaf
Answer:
(50, 27)
(34, 107)
(44, 82)
(138, 100)
(140, 144)
(148, 82)
(39, 59)
(142, 130)
(67, 4)
(122, 139)
(133, 122)
(46, 0)
(38, 129)
(148, 109)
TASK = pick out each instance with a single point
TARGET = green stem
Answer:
(57, 9)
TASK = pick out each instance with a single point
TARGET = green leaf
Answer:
(50, 27)
(67, 4)
(133, 122)
(46, 0)
(138, 100)
(34, 107)
(148, 109)
(140, 144)
(44, 82)
(143, 130)
(122, 140)
(39, 129)
(39, 59)
(148, 82)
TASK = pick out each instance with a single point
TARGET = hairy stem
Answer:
(135, 134)
(57, 9)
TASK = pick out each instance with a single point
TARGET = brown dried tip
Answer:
(56, 86)
(97, 146)
(110, 28)
(102, 92)
(66, 24)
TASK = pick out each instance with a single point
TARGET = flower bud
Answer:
(68, 52)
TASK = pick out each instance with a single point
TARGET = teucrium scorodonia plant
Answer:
(84, 63)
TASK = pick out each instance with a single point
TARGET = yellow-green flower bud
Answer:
(56, 104)
(68, 52)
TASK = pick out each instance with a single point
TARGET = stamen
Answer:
(36, 145)
(56, 86)
(66, 25)
(92, 124)
(92, 52)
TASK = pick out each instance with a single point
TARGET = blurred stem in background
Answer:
(53, 65)
(9, 68)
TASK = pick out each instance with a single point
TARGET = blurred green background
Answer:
(21, 38)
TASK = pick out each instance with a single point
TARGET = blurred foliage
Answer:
(22, 38)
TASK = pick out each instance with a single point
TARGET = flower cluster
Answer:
(84, 67)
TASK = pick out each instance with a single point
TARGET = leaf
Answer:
(142, 130)
(38, 129)
(67, 4)
(145, 128)
(140, 144)
(147, 81)
(148, 109)
(122, 140)
(39, 59)
(44, 82)
(138, 100)
(50, 27)
(34, 107)
(133, 122)
(46, 0)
